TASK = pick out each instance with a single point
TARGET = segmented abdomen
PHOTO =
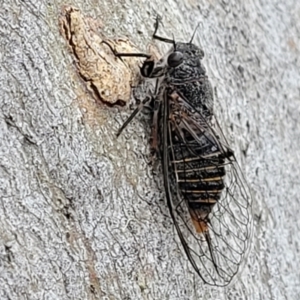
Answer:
(199, 171)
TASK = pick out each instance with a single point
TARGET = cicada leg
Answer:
(147, 99)
(120, 54)
(154, 129)
(166, 40)
(156, 37)
(135, 112)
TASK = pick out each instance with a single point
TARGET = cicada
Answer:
(207, 196)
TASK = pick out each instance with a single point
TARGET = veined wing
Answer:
(207, 196)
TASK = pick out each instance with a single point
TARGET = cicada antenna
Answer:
(195, 32)
(174, 43)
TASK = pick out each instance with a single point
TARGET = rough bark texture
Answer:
(82, 215)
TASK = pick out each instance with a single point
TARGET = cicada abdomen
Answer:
(199, 172)
(208, 198)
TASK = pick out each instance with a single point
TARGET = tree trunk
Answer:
(82, 213)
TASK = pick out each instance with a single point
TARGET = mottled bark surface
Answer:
(82, 214)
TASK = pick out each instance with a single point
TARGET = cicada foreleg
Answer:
(156, 37)
(121, 54)
(166, 40)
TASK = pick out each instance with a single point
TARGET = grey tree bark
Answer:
(82, 215)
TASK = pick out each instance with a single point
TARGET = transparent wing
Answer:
(208, 198)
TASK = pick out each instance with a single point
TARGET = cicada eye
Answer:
(147, 68)
(175, 59)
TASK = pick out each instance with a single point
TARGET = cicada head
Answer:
(183, 58)
(189, 51)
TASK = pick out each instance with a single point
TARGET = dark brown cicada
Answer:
(207, 196)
